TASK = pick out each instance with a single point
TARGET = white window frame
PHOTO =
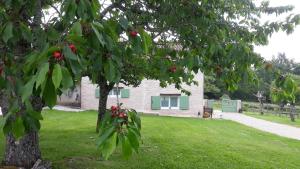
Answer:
(112, 93)
(169, 102)
(168, 98)
(177, 107)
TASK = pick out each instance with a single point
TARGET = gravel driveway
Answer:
(271, 127)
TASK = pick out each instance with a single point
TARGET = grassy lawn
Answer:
(68, 139)
(275, 118)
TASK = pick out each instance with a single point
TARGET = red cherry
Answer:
(73, 48)
(114, 108)
(122, 115)
(56, 54)
(133, 33)
(173, 69)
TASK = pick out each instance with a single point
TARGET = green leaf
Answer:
(5, 123)
(99, 36)
(133, 138)
(126, 148)
(110, 71)
(27, 89)
(137, 45)
(106, 134)
(7, 126)
(52, 34)
(18, 128)
(7, 32)
(31, 124)
(69, 54)
(76, 29)
(26, 33)
(124, 23)
(56, 75)
(36, 115)
(146, 41)
(49, 94)
(109, 146)
(75, 66)
(42, 74)
(67, 80)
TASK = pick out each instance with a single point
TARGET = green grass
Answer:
(68, 139)
(283, 119)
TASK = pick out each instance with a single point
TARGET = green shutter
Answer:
(184, 103)
(97, 93)
(124, 93)
(155, 102)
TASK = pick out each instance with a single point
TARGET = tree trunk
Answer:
(104, 91)
(25, 151)
(22, 153)
(261, 108)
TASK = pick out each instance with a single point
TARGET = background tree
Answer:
(283, 91)
(265, 75)
(296, 69)
(283, 64)
(211, 89)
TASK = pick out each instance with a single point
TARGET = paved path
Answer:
(64, 108)
(271, 127)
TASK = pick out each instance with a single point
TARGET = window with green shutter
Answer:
(97, 92)
(184, 103)
(155, 102)
(124, 93)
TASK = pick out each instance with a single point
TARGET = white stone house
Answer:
(149, 97)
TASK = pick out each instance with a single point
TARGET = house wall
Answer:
(140, 97)
(70, 97)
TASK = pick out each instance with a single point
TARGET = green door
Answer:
(155, 102)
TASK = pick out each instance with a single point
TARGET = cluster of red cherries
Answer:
(117, 112)
(58, 56)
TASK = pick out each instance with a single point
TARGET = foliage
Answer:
(296, 69)
(265, 76)
(225, 96)
(282, 63)
(33, 63)
(211, 90)
(284, 89)
(119, 127)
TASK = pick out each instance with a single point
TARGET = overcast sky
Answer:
(281, 42)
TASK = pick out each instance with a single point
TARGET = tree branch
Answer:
(111, 7)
